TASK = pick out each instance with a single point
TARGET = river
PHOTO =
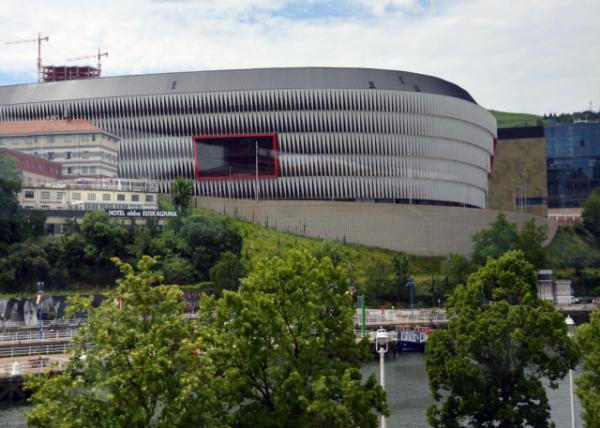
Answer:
(408, 396)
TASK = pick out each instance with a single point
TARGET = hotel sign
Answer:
(141, 213)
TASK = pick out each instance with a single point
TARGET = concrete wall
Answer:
(416, 229)
(519, 172)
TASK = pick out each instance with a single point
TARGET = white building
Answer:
(82, 149)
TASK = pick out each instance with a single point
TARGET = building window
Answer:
(149, 198)
(50, 155)
(69, 170)
(60, 195)
(15, 141)
(45, 207)
(84, 169)
(135, 198)
(76, 196)
(93, 137)
(91, 197)
(51, 138)
(92, 169)
(45, 195)
(85, 155)
(120, 197)
(29, 194)
(68, 155)
(106, 197)
(29, 140)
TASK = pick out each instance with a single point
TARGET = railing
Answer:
(35, 349)
(17, 368)
(19, 336)
(401, 316)
(16, 325)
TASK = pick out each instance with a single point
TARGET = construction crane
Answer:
(98, 56)
(39, 41)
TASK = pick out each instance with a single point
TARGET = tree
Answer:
(181, 194)
(588, 383)
(227, 272)
(135, 363)
(206, 238)
(531, 239)
(11, 221)
(590, 213)
(379, 284)
(502, 236)
(455, 269)
(401, 268)
(485, 370)
(285, 345)
(105, 238)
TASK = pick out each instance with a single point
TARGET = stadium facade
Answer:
(341, 134)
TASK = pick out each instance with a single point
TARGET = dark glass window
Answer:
(243, 156)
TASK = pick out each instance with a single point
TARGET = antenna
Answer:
(39, 41)
(98, 56)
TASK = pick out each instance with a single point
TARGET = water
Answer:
(408, 396)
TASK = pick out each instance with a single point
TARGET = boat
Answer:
(411, 340)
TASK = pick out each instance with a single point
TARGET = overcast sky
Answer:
(536, 56)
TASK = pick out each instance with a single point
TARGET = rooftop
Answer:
(34, 127)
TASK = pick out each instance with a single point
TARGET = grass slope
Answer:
(260, 241)
(513, 120)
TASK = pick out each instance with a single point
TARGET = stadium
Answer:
(385, 158)
(339, 133)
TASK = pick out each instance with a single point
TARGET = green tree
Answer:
(332, 249)
(181, 194)
(401, 269)
(531, 239)
(136, 362)
(11, 221)
(379, 283)
(500, 237)
(105, 238)
(485, 370)
(227, 272)
(455, 269)
(206, 238)
(590, 213)
(286, 347)
(588, 384)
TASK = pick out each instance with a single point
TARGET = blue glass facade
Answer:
(573, 159)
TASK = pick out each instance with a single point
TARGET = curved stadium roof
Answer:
(231, 80)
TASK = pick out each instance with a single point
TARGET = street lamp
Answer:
(571, 332)
(40, 291)
(381, 346)
(411, 288)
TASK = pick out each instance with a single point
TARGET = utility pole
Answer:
(39, 41)
(256, 167)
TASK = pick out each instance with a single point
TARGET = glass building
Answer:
(573, 159)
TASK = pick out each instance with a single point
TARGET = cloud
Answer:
(524, 55)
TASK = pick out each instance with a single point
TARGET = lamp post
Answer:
(411, 287)
(40, 292)
(571, 332)
(381, 346)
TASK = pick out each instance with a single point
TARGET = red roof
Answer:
(47, 127)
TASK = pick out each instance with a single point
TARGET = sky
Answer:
(534, 56)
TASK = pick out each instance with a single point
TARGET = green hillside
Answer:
(260, 241)
(512, 120)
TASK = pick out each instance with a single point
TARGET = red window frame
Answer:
(236, 177)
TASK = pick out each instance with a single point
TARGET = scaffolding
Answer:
(57, 73)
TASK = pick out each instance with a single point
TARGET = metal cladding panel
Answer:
(335, 142)
(232, 80)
